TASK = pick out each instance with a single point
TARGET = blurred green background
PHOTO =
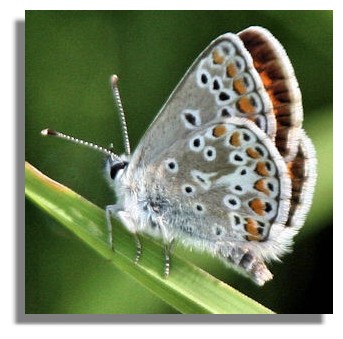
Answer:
(69, 58)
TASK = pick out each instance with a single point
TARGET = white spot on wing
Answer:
(197, 143)
(171, 165)
(188, 189)
(202, 179)
(232, 202)
(210, 153)
(237, 158)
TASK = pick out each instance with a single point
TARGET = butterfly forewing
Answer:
(222, 83)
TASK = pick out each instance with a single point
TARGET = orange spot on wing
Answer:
(231, 70)
(257, 205)
(219, 131)
(245, 105)
(290, 170)
(260, 185)
(261, 168)
(253, 153)
(235, 139)
(257, 64)
(239, 86)
(218, 59)
(275, 102)
(251, 228)
(267, 81)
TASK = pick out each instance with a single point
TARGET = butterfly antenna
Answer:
(60, 135)
(116, 95)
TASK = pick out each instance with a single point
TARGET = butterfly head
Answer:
(115, 167)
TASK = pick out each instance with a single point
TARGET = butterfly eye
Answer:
(116, 168)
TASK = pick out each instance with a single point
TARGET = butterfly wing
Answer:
(247, 75)
(225, 183)
(222, 83)
(226, 163)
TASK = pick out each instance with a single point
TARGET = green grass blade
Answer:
(188, 288)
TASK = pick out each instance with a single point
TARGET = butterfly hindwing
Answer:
(228, 185)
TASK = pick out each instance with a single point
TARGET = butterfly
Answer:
(225, 167)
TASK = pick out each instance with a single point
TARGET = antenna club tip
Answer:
(114, 80)
(48, 131)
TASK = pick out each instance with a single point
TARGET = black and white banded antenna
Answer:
(51, 132)
(116, 96)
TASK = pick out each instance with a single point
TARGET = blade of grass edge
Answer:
(188, 289)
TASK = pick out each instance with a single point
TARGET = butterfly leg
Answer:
(168, 242)
(111, 210)
(124, 217)
(168, 248)
(138, 247)
(130, 225)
